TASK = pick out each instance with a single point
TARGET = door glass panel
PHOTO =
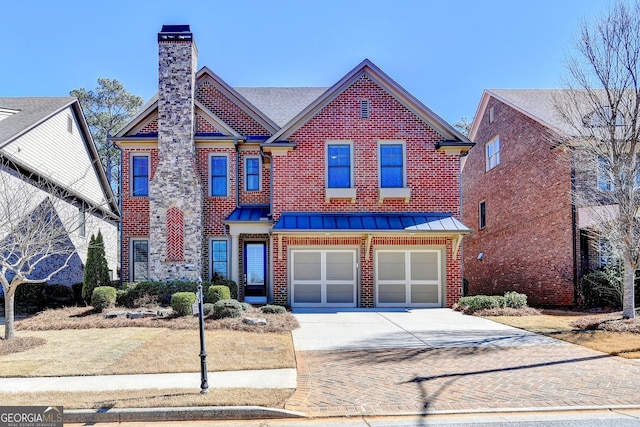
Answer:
(255, 264)
(339, 265)
(424, 265)
(307, 266)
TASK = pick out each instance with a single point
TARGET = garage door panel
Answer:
(424, 266)
(340, 266)
(307, 294)
(391, 266)
(340, 294)
(424, 294)
(307, 266)
(323, 277)
(392, 294)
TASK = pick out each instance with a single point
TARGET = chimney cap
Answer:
(175, 33)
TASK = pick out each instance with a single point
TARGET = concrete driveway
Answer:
(417, 328)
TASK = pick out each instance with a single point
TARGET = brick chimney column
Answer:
(175, 191)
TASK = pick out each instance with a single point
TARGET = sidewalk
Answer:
(270, 378)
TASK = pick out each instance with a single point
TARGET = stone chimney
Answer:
(175, 191)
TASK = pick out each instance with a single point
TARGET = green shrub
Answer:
(207, 309)
(181, 303)
(603, 287)
(219, 280)
(273, 309)
(217, 292)
(149, 292)
(245, 306)
(29, 297)
(515, 300)
(482, 302)
(103, 297)
(227, 308)
(57, 296)
(96, 269)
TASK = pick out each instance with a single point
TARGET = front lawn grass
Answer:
(607, 333)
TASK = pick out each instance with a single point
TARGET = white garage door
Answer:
(323, 278)
(408, 278)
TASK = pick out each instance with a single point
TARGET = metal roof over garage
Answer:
(305, 221)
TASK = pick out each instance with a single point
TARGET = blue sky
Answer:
(443, 52)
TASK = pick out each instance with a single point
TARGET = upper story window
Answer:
(482, 215)
(493, 153)
(392, 165)
(604, 117)
(140, 176)
(252, 174)
(218, 170)
(605, 176)
(339, 165)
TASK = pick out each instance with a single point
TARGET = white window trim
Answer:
(209, 190)
(132, 255)
(339, 193)
(217, 239)
(393, 192)
(259, 173)
(131, 177)
(488, 167)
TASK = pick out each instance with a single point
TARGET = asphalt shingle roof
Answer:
(30, 111)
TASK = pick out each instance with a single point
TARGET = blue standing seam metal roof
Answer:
(250, 213)
(305, 221)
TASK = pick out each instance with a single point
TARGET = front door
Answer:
(255, 272)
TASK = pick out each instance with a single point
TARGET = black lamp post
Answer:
(204, 384)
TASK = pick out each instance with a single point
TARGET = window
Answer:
(493, 153)
(69, 124)
(492, 115)
(339, 171)
(140, 176)
(391, 165)
(482, 215)
(605, 183)
(218, 176)
(140, 260)
(252, 174)
(219, 258)
(82, 223)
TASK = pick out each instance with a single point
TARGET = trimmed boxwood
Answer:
(273, 309)
(181, 303)
(216, 293)
(103, 297)
(159, 292)
(227, 308)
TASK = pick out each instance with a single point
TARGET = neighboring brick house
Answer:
(47, 140)
(347, 196)
(517, 193)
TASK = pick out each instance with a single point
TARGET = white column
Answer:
(235, 258)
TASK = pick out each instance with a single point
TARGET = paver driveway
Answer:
(428, 360)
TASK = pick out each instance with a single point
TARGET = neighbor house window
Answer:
(218, 171)
(339, 166)
(140, 176)
(252, 174)
(482, 215)
(219, 258)
(392, 170)
(605, 183)
(493, 153)
(139, 260)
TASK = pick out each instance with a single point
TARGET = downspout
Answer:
(263, 154)
(574, 232)
(235, 144)
(120, 209)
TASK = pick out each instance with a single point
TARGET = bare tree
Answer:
(37, 219)
(601, 106)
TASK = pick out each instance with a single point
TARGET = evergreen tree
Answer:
(104, 278)
(90, 272)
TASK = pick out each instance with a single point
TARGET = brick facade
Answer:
(293, 180)
(528, 241)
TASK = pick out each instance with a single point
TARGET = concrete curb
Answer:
(120, 415)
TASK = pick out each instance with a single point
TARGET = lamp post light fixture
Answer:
(204, 383)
